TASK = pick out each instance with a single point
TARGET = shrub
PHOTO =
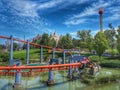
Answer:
(4, 56)
(94, 58)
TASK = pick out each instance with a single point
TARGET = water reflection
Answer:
(61, 82)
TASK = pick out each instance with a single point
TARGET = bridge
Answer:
(75, 62)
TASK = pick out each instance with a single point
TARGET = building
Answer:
(55, 37)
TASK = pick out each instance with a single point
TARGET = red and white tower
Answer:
(101, 12)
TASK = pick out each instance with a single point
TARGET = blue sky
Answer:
(30, 17)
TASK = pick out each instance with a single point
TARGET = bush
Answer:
(94, 58)
(107, 79)
(113, 52)
(4, 56)
(110, 64)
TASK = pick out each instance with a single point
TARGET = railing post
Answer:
(27, 52)
(18, 83)
(51, 74)
(70, 73)
(41, 54)
(76, 69)
(11, 51)
(53, 53)
(63, 57)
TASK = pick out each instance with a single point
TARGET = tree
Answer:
(100, 43)
(118, 39)
(75, 42)
(65, 41)
(118, 43)
(110, 35)
(90, 43)
(86, 40)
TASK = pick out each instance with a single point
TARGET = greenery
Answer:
(111, 62)
(100, 44)
(4, 56)
(104, 76)
(118, 40)
(65, 42)
(86, 40)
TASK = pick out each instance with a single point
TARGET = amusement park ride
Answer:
(76, 62)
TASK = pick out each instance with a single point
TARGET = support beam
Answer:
(76, 69)
(27, 52)
(51, 74)
(70, 73)
(11, 51)
(53, 53)
(41, 54)
(64, 57)
(18, 83)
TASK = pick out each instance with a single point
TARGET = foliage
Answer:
(100, 43)
(118, 39)
(86, 40)
(110, 35)
(114, 52)
(65, 42)
(4, 56)
(76, 43)
(2, 46)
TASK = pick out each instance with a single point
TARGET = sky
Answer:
(31, 17)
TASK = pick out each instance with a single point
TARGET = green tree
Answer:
(90, 42)
(65, 41)
(76, 43)
(100, 43)
(86, 40)
(110, 35)
(118, 39)
(46, 40)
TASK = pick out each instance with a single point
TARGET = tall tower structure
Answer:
(100, 13)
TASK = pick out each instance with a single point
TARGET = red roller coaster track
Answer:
(38, 45)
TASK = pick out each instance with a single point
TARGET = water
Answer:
(61, 83)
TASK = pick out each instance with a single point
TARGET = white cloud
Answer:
(88, 11)
(75, 22)
(114, 13)
(23, 8)
(73, 33)
(50, 4)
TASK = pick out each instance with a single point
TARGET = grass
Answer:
(106, 61)
(105, 75)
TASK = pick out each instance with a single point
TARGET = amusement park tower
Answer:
(101, 12)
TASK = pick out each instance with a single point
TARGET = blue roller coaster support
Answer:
(76, 68)
(11, 51)
(70, 73)
(53, 53)
(18, 75)
(41, 54)
(64, 57)
(27, 52)
(51, 74)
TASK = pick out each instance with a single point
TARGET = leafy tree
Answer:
(110, 35)
(85, 39)
(118, 39)
(90, 43)
(100, 43)
(75, 42)
(65, 41)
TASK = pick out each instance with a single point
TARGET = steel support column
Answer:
(11, 51)
(27, 52)
(64, 57)
(41, 54)
(53, 53)
(51, 74)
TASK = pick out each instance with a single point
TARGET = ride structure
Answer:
(75, 62)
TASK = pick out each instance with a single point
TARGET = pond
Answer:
(61, 83)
